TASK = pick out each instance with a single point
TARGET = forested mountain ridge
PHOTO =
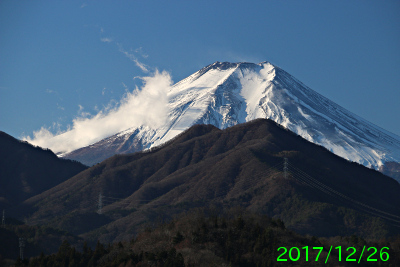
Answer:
(319, 193)
(26, 170)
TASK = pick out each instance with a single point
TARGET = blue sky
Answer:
(62, 59)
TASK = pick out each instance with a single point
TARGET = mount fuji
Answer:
(226, 94)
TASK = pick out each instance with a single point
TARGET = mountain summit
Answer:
(226, 94)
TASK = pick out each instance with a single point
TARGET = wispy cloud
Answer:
(140, 52)
(133, 58)
(128, 54)
(83, 5)
(82, 113)
(54, 93)
(106, 40)
(60, 107)
(141, 65)
(131, 111)
(125, 86)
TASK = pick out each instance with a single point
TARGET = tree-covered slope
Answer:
(322, 193)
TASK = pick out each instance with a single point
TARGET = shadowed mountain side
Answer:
(391, 169)
(239, 166)
(26, 170)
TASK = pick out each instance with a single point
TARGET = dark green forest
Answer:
(207, 238)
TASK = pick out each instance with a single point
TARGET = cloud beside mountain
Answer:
(132, 110)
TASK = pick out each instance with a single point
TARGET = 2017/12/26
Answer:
(383, 253)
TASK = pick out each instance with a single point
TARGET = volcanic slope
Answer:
(226, 94)
(241, 166)
(26, 170)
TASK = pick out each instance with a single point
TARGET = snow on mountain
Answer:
(225, 94)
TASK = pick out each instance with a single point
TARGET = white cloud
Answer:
(141, 65)
(133, 58)
(131, 111)
(81, 113)
(106, 40)
(81, 108)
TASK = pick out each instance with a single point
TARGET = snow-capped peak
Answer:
(224, 94)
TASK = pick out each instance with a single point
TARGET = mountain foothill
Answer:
(26, 170)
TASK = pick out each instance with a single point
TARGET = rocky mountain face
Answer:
(226, 94)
